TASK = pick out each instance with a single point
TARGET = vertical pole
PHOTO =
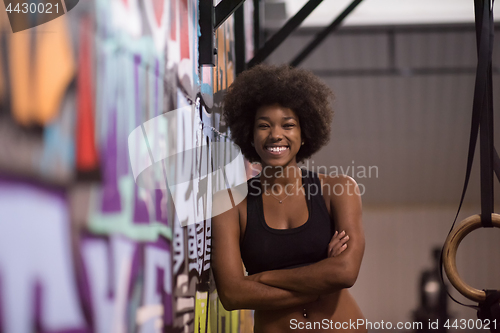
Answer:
(239, 40)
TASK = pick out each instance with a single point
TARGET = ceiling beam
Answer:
(323, 34)
(224, 9)
(283, 33)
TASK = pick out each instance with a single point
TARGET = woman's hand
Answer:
(338, 244)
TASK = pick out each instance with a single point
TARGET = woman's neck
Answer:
(280, 175)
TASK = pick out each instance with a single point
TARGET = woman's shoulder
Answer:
(331, 179)
(337, 186)
(337, 179)
(253, 179)
(253, 185)
(229, 200)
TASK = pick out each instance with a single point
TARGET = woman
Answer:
(299, 234)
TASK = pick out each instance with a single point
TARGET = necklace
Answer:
(286, 195)
(281, 200)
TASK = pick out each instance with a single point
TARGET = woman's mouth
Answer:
(277, 150)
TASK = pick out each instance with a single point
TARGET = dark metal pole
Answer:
(239, 40)
(283, 33)
(256, 24)
(323, 34)
(224, 9)
(206, 41)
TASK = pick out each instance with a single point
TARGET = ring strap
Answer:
(482, 116)
(490, 309)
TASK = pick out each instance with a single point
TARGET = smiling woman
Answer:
(276, 135)
(302, 246)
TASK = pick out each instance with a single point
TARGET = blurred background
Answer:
(84, 249)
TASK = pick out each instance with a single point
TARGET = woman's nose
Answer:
(276, 132)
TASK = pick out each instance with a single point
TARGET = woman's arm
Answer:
(333, 273)
(235, 290)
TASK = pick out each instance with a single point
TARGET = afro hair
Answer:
(293, 88)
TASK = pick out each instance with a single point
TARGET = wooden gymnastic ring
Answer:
(450, 255)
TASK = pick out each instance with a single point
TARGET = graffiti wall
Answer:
(96, 232)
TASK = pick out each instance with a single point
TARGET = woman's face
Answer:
(276, 135)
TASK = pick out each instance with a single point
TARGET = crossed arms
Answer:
(286, 288)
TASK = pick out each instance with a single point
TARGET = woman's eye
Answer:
(263, 125)
(289, 125)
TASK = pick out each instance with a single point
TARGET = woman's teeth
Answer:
(277, 149)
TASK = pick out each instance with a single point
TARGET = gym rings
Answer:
(450, 255)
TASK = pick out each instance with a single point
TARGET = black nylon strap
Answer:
(486, 121)
(482, 115)
(496, 163)
(490, 310)
(482, 36)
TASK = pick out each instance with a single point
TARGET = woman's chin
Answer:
(277, 162)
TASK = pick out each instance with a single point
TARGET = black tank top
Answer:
(264, 248)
